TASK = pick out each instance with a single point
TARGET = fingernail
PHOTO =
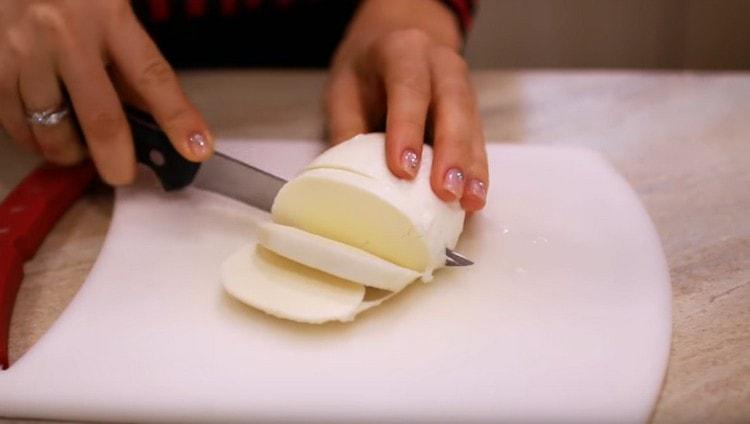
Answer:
(410, 162)
(478, 188)
(454, 182)
(198, 144)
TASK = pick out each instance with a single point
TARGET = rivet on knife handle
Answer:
(153, 149)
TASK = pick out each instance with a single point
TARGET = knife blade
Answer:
(238, 180)
(221, 173)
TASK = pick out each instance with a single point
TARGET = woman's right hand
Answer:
(94, 53)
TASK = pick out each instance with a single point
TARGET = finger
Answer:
(12, 114)
(344, 107)
(99, 114)
(144, 68)
(406, 77)
(40, 91)
(459, 169)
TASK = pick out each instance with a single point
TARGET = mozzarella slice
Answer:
(286, 289)
(373, 298)
(332, 257)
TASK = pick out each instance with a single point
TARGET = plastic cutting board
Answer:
(565, 316)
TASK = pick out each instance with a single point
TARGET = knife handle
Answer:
(153, 149)
(27, 214)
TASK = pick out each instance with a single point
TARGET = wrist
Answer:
(376, 18)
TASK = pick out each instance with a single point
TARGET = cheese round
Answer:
(349, 195)
(344, 223)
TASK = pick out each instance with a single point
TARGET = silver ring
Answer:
(49, 117)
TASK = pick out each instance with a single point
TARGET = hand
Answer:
(52, 48)
(402, 76)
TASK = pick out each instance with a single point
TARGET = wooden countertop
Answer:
(682, 140)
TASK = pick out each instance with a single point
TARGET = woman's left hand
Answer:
(401, 77)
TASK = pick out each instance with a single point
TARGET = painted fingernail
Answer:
(478, 188)
(454, 182)
(198, 144)
(410, 162)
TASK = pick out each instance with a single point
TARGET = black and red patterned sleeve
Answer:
(199, 33)
(163, 10)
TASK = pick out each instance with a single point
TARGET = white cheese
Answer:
(338, 259)
(348, 194)
(344, 223)
(286, 289)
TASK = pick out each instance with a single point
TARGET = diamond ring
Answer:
(49, 117)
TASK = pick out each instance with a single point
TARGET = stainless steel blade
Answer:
(453, 258)
(236, 179)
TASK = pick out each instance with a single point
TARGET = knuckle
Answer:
(61, 151)
(15, 46)
(176, 118)
(104, 126)
(451, 61)
(402, 40)
(116, 175)
(409, 38)
(63, 158)
(47, 17)
(156, 72)
(477, 165)
(452, 86)
(455, 97)
(460, 68)
(453, 135)
(411, 126)
(413, 87)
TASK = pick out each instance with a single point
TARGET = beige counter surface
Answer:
(682, 140)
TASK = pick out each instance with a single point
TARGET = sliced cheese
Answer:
(373, 298)
(336, 258)
(344, 223)
(286, 289)
(349, 195)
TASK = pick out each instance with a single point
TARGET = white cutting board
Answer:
(564, 317)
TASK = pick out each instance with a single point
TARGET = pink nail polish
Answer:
(410, 162)
(478, 188)
(454, 182)
(198, 144)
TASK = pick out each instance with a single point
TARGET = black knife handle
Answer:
(153, 149)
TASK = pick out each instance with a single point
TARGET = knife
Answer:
(221, 173)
